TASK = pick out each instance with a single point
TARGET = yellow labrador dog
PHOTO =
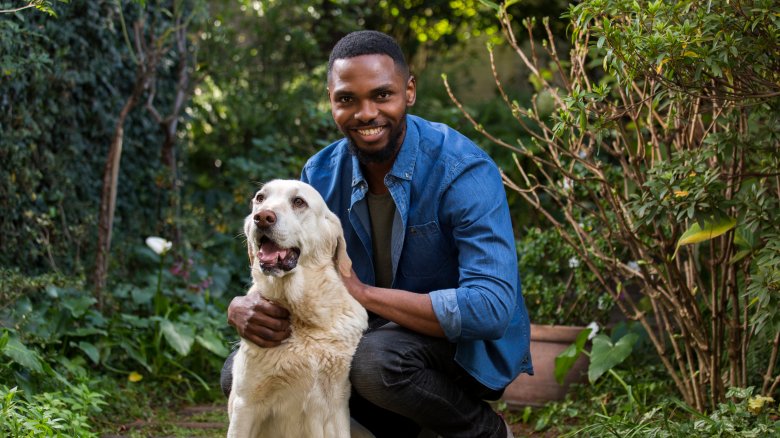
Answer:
(301, 388)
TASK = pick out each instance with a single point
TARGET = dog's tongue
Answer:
(271, 253)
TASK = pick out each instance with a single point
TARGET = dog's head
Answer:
(290, 225)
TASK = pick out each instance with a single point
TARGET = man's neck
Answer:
(375, 175)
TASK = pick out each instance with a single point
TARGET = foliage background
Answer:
(257, 110)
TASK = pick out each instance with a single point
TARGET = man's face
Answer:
(368, 99)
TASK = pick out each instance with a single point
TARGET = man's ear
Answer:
(411, 91)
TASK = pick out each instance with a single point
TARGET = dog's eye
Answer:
(259, 198)
(298, 202)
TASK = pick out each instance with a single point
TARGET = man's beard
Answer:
(382, 155)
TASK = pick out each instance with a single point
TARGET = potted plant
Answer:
(562, 299)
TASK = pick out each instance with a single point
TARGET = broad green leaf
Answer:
(78, 305)
(90, 350)
(141, 296)
(137, 355)
(22, 355)
(180, 336)
(605, 355)
(211, 341)
(696, 233)
(565, 360)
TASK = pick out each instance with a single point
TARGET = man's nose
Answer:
(367, 111)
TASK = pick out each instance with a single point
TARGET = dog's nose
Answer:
(265, 218)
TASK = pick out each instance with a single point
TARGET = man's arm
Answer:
(474, 207)
(407, 309)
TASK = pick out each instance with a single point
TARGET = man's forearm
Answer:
(407, 309)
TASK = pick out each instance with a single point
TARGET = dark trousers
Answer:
(403, 381)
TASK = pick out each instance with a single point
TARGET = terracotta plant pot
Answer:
(547, 342)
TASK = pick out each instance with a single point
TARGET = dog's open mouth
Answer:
(273, 257)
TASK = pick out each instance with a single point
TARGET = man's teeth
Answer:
(372, 131)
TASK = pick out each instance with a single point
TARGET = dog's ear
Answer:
(251, 256)
(247, 232)
(340, 257)
(343, 262)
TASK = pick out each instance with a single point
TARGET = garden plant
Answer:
(654, 154)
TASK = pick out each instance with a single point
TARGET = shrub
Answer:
(664, 140)
(49, 414)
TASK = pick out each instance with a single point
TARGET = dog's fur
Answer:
(301, 388)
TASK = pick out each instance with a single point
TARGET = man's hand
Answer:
(259, 321)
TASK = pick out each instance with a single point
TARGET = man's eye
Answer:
(298, 202)
(383, 96)
(345, 99)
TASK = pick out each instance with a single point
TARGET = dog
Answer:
(297, 253)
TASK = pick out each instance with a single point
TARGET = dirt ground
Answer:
(211, 421)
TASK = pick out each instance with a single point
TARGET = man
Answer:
(428, 230)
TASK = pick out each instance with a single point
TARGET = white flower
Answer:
(634, 266)
(574, 263)
(158, 244)
(594, 329)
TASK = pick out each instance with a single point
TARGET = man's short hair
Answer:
(368, 42)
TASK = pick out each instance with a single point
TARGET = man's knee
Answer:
(378, 366)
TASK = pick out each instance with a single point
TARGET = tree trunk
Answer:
(108, 196)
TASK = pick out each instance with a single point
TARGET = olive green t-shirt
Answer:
(381, 208)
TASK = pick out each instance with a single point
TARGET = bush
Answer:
(557, 288)
(663, 142)
(49, 414)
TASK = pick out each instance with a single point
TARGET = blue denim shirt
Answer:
(452, 238)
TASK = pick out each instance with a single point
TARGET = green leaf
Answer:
(739, 255)
(211, 341)
(490, 4)
(605, 355)
(180, 336)
(22, 355)
(137, 355)
(90, 350)
(696, 233)
(565, 360)
(141, 296)
(78, 305)
(87, 331)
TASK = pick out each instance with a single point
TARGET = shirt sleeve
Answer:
(474, 205)
(445, 306)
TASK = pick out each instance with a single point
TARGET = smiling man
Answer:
(428, 230)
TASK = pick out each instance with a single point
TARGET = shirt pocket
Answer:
(426, 254)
